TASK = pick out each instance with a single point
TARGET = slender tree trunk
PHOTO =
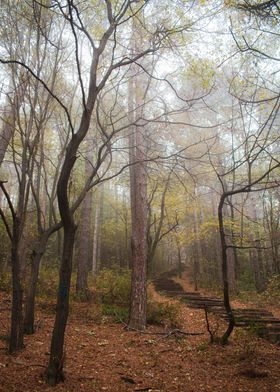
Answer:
(179, 259)
(197, 253)
(7, 132)
(257, 264)
(231, 269)
(217, 246)
(37, 255)
(256, 254)
(232, 259)
(231, 323)
(236, 263)
(84, 250)
(16, 336)
(96, 233)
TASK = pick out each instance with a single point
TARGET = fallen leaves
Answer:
(106, 358)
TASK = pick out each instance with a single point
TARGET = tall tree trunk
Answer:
(55, 368)
(231, 323)
(16, 336)
(232, 259)
(257, 257)
(36, 258)
(7, 132)
(138, 195)
(257, 265)
(96, 232)
(197, 253)
(231, 268)
(179, 252)
(236, 263)
(217, 246)
(84, 249)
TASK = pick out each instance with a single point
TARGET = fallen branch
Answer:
(19, 362)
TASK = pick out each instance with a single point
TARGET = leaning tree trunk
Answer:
(231, 321)
(54, 371)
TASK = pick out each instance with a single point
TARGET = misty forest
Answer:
(139, 195)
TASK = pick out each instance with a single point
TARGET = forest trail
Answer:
(262, 321)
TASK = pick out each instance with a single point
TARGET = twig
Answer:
(17, 362)
(165, 334)
(208, 325)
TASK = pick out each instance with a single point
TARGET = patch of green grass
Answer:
(118, 313)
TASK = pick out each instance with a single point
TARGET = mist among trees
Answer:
(136, 138)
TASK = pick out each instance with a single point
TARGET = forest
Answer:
(139, 195)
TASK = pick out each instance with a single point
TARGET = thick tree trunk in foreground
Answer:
(137, 316)
(139, 210)
(54, 372)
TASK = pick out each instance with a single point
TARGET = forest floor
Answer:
(104, 356)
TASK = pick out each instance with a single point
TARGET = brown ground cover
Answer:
(105, 356)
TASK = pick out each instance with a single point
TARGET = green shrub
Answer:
(47, 283)
(163, 314)
(272, 293)
(5, 282)
(118, 313)
(114, 286)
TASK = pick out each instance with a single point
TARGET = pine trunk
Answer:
(138, 194)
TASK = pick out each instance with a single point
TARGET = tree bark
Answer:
(54, 372)
(257, 264)
(36, 258)
(96, 233)
(138, 194)
(197, 253)
(84, 252)
(231, 323)
(16, 336)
